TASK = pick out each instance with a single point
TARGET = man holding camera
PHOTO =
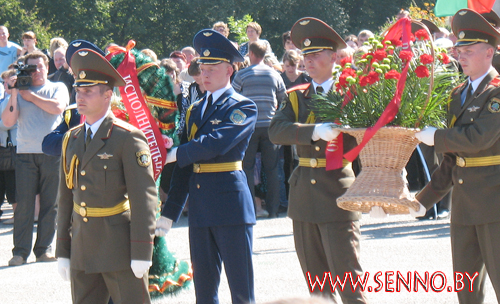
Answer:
(37, 110)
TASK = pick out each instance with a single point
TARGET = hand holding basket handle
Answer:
(325, 131)
(426, 135)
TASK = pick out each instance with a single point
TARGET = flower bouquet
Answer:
(382, 98)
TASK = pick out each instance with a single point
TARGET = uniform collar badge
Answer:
(473, 109)
(215, 121)
(104, 155)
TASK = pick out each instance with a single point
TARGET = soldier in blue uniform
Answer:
(209, 168)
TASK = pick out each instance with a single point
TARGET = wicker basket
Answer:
(380, 182)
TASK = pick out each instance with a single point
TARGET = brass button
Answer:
(83, 172)
(460, 181)
(83, 211)
(461, 162)
(313, 162)
(105, 167)
(196, 168)
(198, 186)
(83, 204)
(85, 219)
(317, 148)
(83, 188)
(313, 181)
(472, 119)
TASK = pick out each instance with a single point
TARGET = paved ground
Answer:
(397, 243)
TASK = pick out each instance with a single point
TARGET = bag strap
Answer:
(9, 140)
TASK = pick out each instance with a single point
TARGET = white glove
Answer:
(172, 155)
(377, 212)
(420, 212)
(325, 131)
(63, 268)
(140, 267)
(163, 225)
(426, 135)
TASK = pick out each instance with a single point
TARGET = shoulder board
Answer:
(238, 97)
(70, 107)
(76, 127)
(122, 124)
(495, 81)
(299, 87)
(458, 86)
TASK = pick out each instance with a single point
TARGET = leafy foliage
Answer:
(361, 97)
(239, 27)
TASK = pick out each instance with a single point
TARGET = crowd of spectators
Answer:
(28, 115)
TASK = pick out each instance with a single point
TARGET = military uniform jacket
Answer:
(313, 191)
(111, 169)
(474, 132)
(221, 135)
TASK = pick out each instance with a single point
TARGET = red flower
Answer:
(349, 72)
(426, 59)
(412, 38)
(372, 77)
(405, 55)
(345, 60)
(443, 57)
(422, 71)
(120, 114)
(363, 81)
(396, 42)
(392, 74)
(379, 55)
(422, 34)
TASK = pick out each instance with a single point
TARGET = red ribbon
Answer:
(139, 114)
(400, 30)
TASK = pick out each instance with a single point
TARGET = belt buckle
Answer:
(313, 162)
(83, 211)
(196, 168)
(461, 162)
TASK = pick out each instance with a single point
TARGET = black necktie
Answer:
(210, 101)
(88, 138)
(468, 95)
(319, 89)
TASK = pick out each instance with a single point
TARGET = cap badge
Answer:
(307, 42)
(207, 34)
(83, 53)
(462, 13)
(461, 35)
(206, 53)
(305, 22)
(82, 75)
(77, 44)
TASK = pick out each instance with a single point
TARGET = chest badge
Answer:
(105, 155)
(494, 105)
(472, 109)
(215, 121)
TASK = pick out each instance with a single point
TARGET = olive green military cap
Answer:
(313, 35)
(91, 68)
(470, 27)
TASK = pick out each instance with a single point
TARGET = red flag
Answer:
(481, 6)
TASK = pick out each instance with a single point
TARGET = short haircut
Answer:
(194, 67)
(8, 73)
(351, 37)
(151, 54)
(258, 48)
(256, 27)
(105, 87)
(285, 37)
(35, 55)
(178, 54)
(28, 35)
(291, 57)
(366, 33)
(56, 43)
(169, 65)
(221, 24)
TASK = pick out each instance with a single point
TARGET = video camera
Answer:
(23, 76)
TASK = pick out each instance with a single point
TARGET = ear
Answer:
(334, 56)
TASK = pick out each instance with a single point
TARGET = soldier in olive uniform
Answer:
(107, 195)
(326, 237)
(471, 164)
